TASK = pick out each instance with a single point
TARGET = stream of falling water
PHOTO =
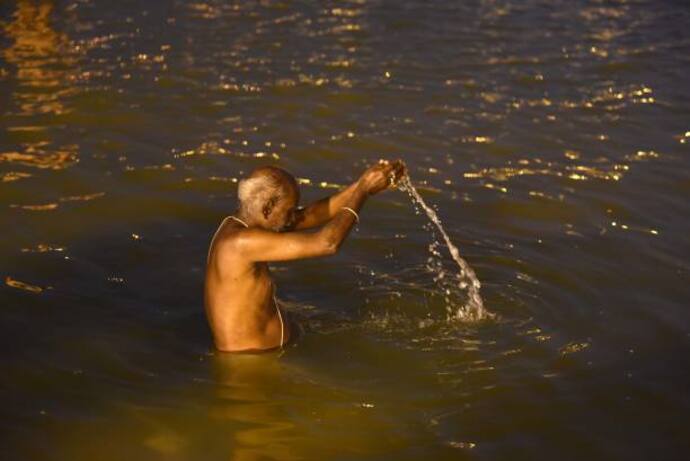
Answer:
(473, 309)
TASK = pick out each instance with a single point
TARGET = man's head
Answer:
(269, 198)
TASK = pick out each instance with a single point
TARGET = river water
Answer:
(551, 137)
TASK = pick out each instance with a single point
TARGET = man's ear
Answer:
(299, 215)
(268, 207)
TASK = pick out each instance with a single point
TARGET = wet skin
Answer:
(238, 290)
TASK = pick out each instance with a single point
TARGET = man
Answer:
(239, 293)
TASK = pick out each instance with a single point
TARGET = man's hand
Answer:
(382, 175)
(377, 178)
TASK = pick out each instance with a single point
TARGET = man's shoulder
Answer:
(233, 242)
(229, 239)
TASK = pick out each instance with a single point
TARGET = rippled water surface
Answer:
(551, 136)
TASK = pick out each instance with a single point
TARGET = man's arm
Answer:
(323, 210)
(260, 245)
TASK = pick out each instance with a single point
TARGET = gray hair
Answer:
(257, 192)
(263, 189)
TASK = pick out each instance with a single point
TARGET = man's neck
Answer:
(240, 215)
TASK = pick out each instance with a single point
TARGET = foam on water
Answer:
(473, 309)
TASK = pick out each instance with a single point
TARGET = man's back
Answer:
(238, 295)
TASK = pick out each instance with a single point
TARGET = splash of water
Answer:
(473, 309)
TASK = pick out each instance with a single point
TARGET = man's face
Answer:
(283, 217)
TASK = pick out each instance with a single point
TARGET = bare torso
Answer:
(238, 291)
(239, 300)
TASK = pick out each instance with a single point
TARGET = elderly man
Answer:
(239, 293)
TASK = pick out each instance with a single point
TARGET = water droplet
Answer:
(474, 308)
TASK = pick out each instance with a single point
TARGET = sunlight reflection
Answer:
(40, 56)
(43, 248)
(605, 169)
(37, 157)
(34, 51)
(10, 282)
(42, 207)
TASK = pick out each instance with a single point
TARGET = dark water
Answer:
(552, 137)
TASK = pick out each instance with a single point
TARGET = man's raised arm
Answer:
(323, 210)
(255, 244)
(261, 245)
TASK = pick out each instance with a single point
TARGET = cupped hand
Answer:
(382, 175)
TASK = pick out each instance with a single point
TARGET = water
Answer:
(551, 138)
(473, 309)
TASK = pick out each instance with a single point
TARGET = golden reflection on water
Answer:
(38, 53)
(204, 10)
(82, 198)
(630, 227)
(43, 248)
(604, 170)
(37, 157)
(44, 60)
(215, 148)
(573, 347)
(54, 205)
(35, 43)
(612, 99)
(41, 207)
(10, 282)
(248, 383)
(13, 176)
(270, 408)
